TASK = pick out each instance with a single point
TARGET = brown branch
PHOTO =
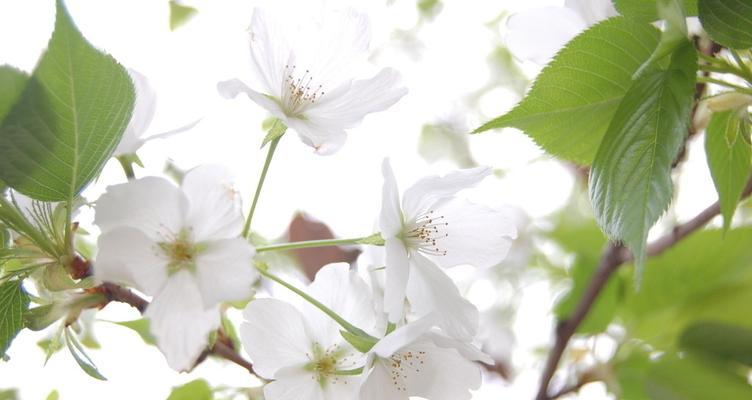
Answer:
(613, 257)
(120, 294)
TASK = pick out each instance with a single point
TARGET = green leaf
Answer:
(53, 395)
(704, 276)
(180, 14)
(194, 390)
(647, 10)
(13, 303)
(690, 378)
(674, 33)
(13, 82)
(574, 98)
(729, 156)
(78, 353)
(141, 327)
(8, 394)
(630, 182)
(68, 120)
(631, 373)
(721, 340)
(728, 22)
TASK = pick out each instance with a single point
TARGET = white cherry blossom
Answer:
(144, 108)
(181, 246)
(307, 71)
(301, 347)
(432, 228)
(416, 360)
(537, 34)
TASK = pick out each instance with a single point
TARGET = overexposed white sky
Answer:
(442, 64)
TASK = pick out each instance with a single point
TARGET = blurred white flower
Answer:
(181, 246)
(301, 348)
(307, 70)
(433, 228)
(417, 361)
(144, 108)
(537, 34)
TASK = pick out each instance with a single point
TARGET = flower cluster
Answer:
(395, 328)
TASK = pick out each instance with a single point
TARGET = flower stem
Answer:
(740, 89)
(374, 240)
(280, 129)
(328, 311)
(127, 168)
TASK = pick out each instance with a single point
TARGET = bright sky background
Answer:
(442, 65)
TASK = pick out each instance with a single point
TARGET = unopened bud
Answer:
(728, 101)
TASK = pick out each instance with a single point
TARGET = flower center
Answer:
(426, 232)
(299, 91)
(328, 365)
(403, 365)
(180, 250)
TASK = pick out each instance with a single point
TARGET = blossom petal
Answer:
(443, 373)
(325, 140)
(225, 271)
(430, 290)
(179, 322)
(429, 190)
(294, 383)
(126, 255)
(528, 41)
(467, 350)
(478, 235)
(214, 205)
(397, 272)
(270, 49)
(275, 336)
(378, 385)
(592, 11)
(143, 113)
(403, 336)
(151, 204)
(232, 88)
(345, 293)
(358, 99)
(390, 219)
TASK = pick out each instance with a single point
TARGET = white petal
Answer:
(294, 383)
(429, 190)
(360, 98)
(127, 256)
(478, 235)
(270, 49)
(275, 336)
(343, 291)
(214, 205)
(143, 113)
(233, 87)
(325, 140)
(430, 290)
(592, 11)
(466, 349)
(538, 34)
(378, 385)
(397, 272)
(225, 271)
(179, 322)
(152, 205)
(390, 219)
(442, 374)
(403, 336)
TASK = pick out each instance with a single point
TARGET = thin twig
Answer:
(120, 294)
(613, 257)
